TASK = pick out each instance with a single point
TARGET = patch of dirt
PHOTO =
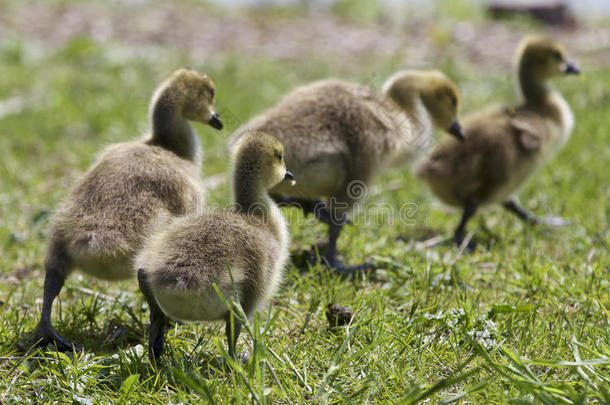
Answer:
(338, 315)
(210, 34)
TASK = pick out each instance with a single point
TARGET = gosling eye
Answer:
(453, 101)
(279, 156)
(557, 56)
(212, 92)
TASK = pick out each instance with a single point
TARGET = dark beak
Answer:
(215, 121)
(288, 176)
(571, 69)
(456, 130)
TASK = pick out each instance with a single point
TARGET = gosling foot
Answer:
(471, 244)
(342, 269)
(336, 265)
(513, 206)
(115, 334)
(45, 334)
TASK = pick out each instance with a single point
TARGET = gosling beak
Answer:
(290, 176)
(215, 121)
(571, 69)
(456, 130)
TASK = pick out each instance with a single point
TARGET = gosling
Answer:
(505, 146)
(339, 135)
(99, 227)
(242, 251)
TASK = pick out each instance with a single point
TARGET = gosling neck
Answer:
(252, 199)
(534, 89)
(411, 104)
(405, 101)
(171, 131)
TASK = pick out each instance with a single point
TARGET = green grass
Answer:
(525, 318)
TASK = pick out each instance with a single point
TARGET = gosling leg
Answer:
(330, 256)
(45, 332)
(458, 236)
(513, 206)
(335, 224)
(232, 336)
(158, 321)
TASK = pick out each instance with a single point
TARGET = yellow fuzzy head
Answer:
(194, 91)
(543, 58)
(259, 157)
(439, 94)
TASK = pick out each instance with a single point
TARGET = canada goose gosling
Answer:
(505, 146)
(181, 98)
(100, 225)
(339, 134)
(242, 251)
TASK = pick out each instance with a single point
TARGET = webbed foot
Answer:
(45, 334)
(470, 246)
(336, 265)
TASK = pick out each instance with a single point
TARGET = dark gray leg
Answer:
(232, 335)
(45, 333)
(469, 210)
(335, 224)
(330, 256)
(158, 321)
(513, 206)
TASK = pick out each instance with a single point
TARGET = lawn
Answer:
(526, 317)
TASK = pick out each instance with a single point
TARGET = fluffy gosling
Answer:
(505, 146)
(100, 225)
(242, 251)
(339, 135)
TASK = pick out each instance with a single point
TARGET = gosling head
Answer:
(543, 58)
(193, 92)
(259, 157)
(439, 94)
